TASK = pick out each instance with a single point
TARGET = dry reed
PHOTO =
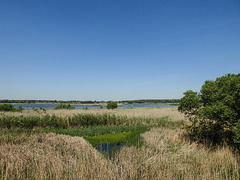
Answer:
(50, 156)
(137, 112)
(165, 155)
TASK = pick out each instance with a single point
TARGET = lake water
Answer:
(51, 106)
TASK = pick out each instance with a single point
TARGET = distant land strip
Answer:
(140, 101)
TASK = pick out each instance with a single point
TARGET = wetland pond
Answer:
(109, 147)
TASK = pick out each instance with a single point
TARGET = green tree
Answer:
(190, 104)
(215, 112)
(112, 105)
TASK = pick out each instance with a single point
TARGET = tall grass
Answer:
(94, 130)
(164, 155)
(80, 120)
(17, 135)
(151, 113)
(48, 156)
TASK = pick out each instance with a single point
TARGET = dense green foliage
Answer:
(215, 112)
(190, 103)
(112, 105)
(9, 107)
(6, 107)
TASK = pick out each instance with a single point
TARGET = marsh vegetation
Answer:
(63, 144)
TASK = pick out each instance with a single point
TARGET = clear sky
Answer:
(115, 49)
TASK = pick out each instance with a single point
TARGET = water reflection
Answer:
(108, 147)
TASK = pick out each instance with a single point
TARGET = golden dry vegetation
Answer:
(137, 112)
(166, 154)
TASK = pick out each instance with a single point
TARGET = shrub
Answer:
(112, 105)
(44, 110)
(215, 112)
(19, 108)
(6, 107)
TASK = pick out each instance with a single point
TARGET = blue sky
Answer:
(115, 49)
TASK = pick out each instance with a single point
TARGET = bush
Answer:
(19, 109)
(215, 112)
(6, 107)
(112, 105)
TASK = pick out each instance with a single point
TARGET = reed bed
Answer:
(137, 112)
(165, 153)
(79, 120)
(50, 156)
(96, 130)
(183, 159)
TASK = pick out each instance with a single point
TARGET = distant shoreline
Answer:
(95, 104)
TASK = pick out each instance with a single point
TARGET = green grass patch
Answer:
(128, 138)
(112, 139)
(94, 130)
